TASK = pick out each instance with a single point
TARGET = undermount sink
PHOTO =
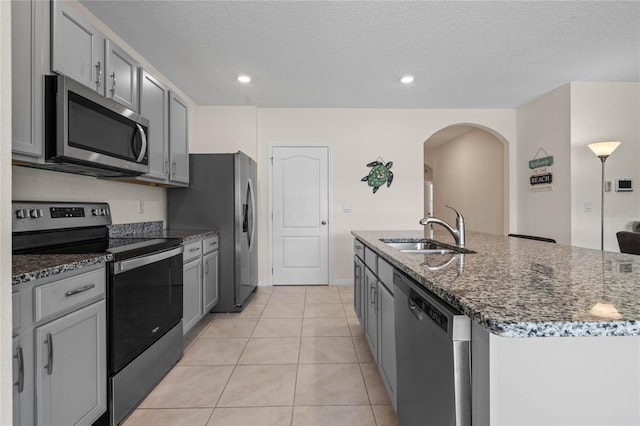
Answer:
(423, 246)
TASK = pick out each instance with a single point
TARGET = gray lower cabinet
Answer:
(371, 317)
(358, 284)
(210, 276)
(71, 368)
(387, 340)
(18, 377)
(192, 294)
(60, 349)
(374, 304)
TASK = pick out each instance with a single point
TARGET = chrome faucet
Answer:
(458, 234)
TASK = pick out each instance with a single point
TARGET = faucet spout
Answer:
(458, 234)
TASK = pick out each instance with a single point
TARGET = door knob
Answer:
(324, 222)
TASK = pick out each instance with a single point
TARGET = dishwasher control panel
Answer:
(430, 311)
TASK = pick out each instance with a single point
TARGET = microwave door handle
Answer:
(143, 136)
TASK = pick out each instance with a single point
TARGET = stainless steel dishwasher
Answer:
(433, 358)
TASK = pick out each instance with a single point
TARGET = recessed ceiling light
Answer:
(244, 78)
(407, 79)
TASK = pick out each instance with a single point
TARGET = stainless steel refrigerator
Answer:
(221, 195)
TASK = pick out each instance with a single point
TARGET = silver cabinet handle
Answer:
(98, 74)
(194, 249)
(20, 382)
(79, 290)
(166, 167)
(173, 167)
(49, 343)
(206, 268)
(372, 293)
(113, 88)
(357, 272)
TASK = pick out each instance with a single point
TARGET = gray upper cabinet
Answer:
(178, 140)
(154, 105)
(82, 52)
(77, 47)
(29, 62)
(122, 76)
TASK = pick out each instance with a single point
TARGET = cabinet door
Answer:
(191, 294)
(371, 320)
(387, 340)
(29, 62)
(77, 47)
(71, 368)
(18, 378)
(122, 76)
(357, 286)
(210, 281)
(154, 105)
(178, 140)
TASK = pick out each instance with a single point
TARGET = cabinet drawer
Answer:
(385, 274)
(15, 305)
(58, 296)
(358, 249)
(210, 244)
(371, 259)
(191, 251)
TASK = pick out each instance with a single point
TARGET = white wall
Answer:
(545, 123)
(6, 382)
(356, 137)
(31, 184)
(468, 174)
(225, 129)
(123, 198)
(602, 112)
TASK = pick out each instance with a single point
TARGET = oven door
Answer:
(144, 302)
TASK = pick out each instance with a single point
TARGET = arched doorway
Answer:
(467, 167)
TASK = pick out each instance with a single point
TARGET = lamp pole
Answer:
(602, 158)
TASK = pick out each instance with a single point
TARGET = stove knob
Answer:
(36, 213)
(95, 212)
(103, 212)
(22, 213)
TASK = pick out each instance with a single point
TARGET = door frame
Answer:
(329, 206)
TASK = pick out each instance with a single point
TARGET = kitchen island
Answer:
(555, 328)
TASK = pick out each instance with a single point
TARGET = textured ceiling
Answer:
(464, 54)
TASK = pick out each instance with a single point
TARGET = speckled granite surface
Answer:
(27, 267)
(31, 267)
(522, 288)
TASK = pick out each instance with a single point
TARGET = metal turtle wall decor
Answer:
(379, 174)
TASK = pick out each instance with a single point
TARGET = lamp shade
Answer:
(604, 149)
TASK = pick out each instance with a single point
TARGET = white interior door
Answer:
(300, 201)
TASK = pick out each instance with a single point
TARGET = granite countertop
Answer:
(514, 287)
(31, 267)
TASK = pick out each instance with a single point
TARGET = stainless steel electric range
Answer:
(144, 292)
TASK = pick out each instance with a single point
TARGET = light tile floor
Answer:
(295, 356)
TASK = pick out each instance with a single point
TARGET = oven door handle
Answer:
(127, 265)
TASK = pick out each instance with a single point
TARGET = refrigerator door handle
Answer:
(252, 214)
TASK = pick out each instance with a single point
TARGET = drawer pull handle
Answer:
(20, 382)
(49, 343)
(192, 249)
(79, 290)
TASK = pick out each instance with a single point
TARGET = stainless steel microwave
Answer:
(89, 134)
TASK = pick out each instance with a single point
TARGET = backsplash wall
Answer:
(123, 198)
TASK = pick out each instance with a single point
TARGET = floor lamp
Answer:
(603, 150)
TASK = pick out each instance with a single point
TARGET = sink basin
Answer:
(423, 246)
